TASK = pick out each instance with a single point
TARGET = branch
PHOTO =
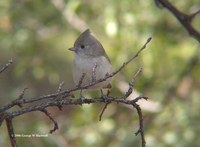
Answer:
(141, 129)
(81, 80)
(6, 65)
(94, 72)
(11, 132)
(51, 118)
(21, 95)
(8, 116)
(131, 84)
(60, 86)
(184, 19)
(103, 111)
(78, 87)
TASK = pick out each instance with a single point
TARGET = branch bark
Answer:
(184, 19)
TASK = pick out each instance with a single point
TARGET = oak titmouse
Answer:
(88, 51)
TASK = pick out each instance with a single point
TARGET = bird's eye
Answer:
(82, 46)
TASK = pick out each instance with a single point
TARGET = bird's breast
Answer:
(85, 65)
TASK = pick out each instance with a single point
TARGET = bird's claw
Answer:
(103, 96)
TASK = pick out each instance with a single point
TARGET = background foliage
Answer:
(37, 35)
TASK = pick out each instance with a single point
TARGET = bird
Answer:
(88, 52)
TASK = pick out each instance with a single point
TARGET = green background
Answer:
(37, 34)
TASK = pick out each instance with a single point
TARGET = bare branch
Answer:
(103, 111)
(11, 132)
(21, 95)
(184, 19)
(6, 65)
(194, 14)
(94, 72)
(59, 89)
(81, 80)
(51, 118)
(131, 84)
(42, 106)
(60, 86)
(141, 129)
(140, 97)
(78, 87)
(66, 93)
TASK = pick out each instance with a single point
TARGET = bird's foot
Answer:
(81, 97)
(103, 96)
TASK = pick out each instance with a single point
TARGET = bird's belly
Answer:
(86, 65)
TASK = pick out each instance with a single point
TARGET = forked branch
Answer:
(58, 99)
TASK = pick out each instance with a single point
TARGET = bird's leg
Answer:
(103, 96)
(80, 95)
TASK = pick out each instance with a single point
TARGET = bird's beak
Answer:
(72, 49)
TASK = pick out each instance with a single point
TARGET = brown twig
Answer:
(103, 110)
(21, 95)
(108, 92)
(94, 72)
(141, 128)
(184, 19)
(60, 86)
(140, 97)
(6, 65)
(59, 89)
(131, 84)
(81, 80)
(51, 118)
(194, 14)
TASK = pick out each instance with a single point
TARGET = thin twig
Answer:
(60, 86)
(94, 72)
(140, 97)
(59, 89)
(103, 110)
(194, 14)
(6, 65)
(51, 118)
(21, 95)
(131, 84)
(81, 80)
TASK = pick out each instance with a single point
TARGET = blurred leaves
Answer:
(37, 35)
